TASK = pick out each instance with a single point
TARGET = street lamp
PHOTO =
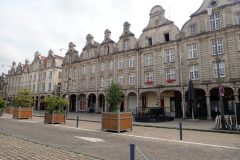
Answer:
(211, 9)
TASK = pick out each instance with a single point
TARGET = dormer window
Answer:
(193, 29)
(125, 44)
(149, 39)
(215, 21)
(166, 37)
(238, 17)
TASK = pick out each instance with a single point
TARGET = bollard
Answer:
(132, 151)
(180, 131)
(77, 120)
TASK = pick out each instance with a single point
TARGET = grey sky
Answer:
(27, 26)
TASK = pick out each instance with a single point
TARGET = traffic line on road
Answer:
(136, 136)
(90, 139)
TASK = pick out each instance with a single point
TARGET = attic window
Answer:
(149, 41)
(166, 37)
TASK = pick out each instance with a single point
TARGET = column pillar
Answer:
(87, 109)
(97, 109)
(38, 105)
(209, 114)
(126, 104)
(236, 94)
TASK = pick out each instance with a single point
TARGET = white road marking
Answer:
(136, 136)
(90, 139)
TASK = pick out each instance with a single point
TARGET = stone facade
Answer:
(42, 77)
(154, 70)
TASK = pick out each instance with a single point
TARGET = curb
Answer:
(165, 127)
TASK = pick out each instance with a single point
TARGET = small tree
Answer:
(55, 103)
(114, 96)
(23, 98)
(2, 104)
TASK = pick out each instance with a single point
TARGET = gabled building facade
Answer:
(154, 70)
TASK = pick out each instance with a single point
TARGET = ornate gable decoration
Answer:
(90, 43)
(157, 18)
(71, 55)
(126, 32)
(107, 37)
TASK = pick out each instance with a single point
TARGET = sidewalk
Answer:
(187, 124)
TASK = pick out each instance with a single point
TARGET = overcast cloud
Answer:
(28, 26)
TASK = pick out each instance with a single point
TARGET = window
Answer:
(120, 80)
(219, 45)
(120, 64)
(73, 71)
(49, 63)
(101, 67)
(238, 17)
(65, 85)
(125, 44)
(33, 87)
(193, 29)
(44, 76)
(132, 79)
(110, 80)
(30, 78)
(101, 82)
(73, 84)
(221, 69)
(192, 51)
(169, 56)
(34, 77)
(84, 69)
(50, 75)
(148, 60)
(149, 41)
(149, 77)
(193, 72)
(132, 62)
(49, 87)
(93, 68)
(170, 74)
(106, 50)
(215, 21)
(43, 87)
(65, 73)
(110, 65)
(92, 82)
(166, 37)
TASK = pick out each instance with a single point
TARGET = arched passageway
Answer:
(171, 100)
(200, 110)
(101, 102)
(92, 102)
(132, 102)
(82, 103)
(72, 103)
(228, 101)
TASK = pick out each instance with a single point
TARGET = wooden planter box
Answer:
(113, 122)
(22, 113)
(54, 118)
(8, 110)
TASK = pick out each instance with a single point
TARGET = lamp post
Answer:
(211, 9)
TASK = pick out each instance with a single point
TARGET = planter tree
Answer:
(23, 104)
(114, 120)
(2, 105)
(55, 112)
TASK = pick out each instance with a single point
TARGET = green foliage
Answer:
(2, 103)
(55, 103)
(23, 98)
(114, 97)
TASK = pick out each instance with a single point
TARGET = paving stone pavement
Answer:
(12, 148)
